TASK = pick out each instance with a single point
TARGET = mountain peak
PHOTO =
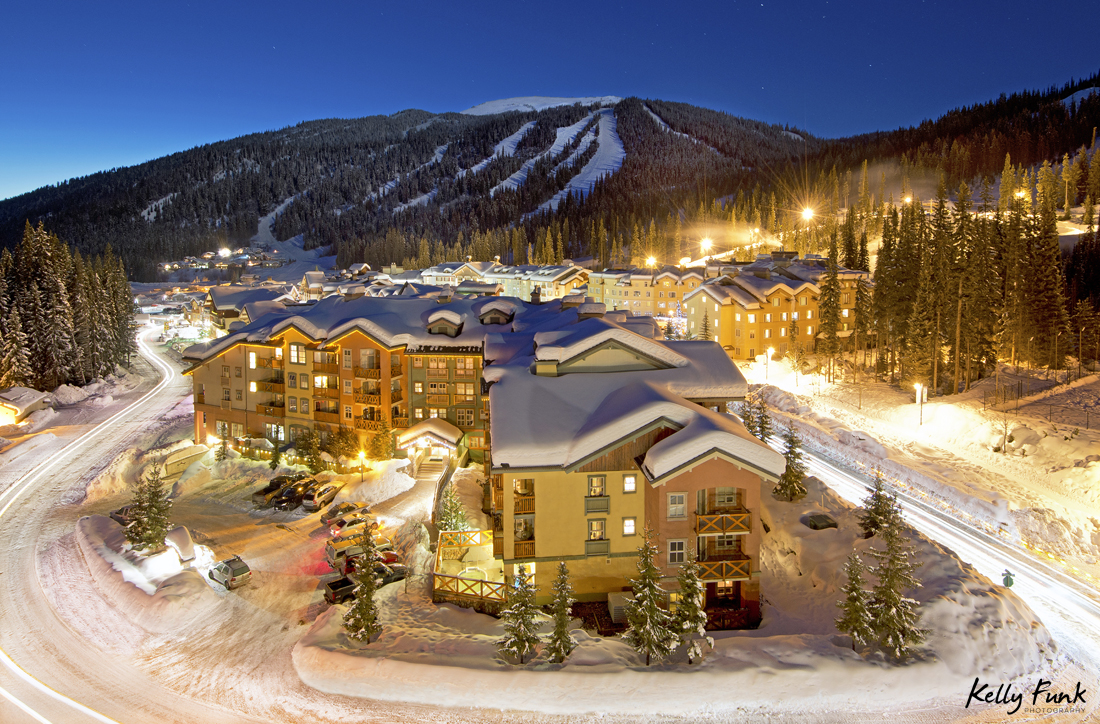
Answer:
(535, 103)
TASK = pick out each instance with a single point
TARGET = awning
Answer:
(433, 431)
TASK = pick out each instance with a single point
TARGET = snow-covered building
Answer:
(654, 292)
(18, 402)
(224, 303)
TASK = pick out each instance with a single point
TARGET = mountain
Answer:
(615, 178)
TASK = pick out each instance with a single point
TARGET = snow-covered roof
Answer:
(445, 314)
(255, 310)
(435, 427)
(585, 335)
(20, 398)
(235, 296)
(707, 434)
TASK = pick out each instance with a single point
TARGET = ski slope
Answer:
(507, 147)
(665, 127)
(607, 160)
(564, 137)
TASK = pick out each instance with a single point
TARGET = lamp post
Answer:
(920, 400)
(362, 462)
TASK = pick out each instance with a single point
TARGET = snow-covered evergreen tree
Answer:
(361, 620)
(15, 368)
(879, 508)
(381, 445)
(690, 619)
(276, 457)
(453, 513)
(856, 619)
(309, 447)
(704, 328)
(650, 630)
(223, 450)
(764, 427)
(151, 506)
(747, 411)
(520, 618)
(561, 642)
(790, 483)
(896, 617)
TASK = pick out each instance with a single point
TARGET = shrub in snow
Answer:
(650, 630)
(453, 514)
(895, 616)
(856, 621)
(223, 451)
(690, 620)
(561, 643)
(880, 508)
(361, 620)
(149, 512)
(790, 484)
(520, 625)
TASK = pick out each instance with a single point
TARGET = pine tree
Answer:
(704, 328)
(15, 368)
(880, 508)
(149, 512)
(790, 483)
(361, 620)
(748, 413)
(561, 642)
(763, 419)
(276, 457)
(856, 620)
(520, 624)
(829, 306)
(453, 513)
(223, 450)
(896, 617)
(690, 619)
(308, 447)
(650, 629)
(921, 328)
(381, 445)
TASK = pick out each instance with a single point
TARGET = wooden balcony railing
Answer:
(363, 399)
(366, 373)
(524, 504)
(331, 393)
(597, 504)
(396, 396)
(400, 422)
(439, 374)
(498, 500)
(200, 398)
(368, 425)
(464, 372)
(461, 538)
(456, 586)
(271, 410)
(326, 367)
(498, 547)
(272, 387)
(720, 523)
(444, 400)
(330, 417)
(269, 363)
(396, 371)
(727, 570)
(525, 549)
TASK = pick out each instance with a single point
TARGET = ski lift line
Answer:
(18, 488)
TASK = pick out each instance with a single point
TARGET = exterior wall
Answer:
(641, 293)
(469, 414)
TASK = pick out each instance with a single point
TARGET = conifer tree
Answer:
(856, 605)
(880, 508)
(704, 328)
(361, 620)
(276, 457)
(223, 450)
(921, 328)
(690, 619)
(15, 368)
(790, 484)
(561, 642)
(747, 412)
(896, 617)
(453, 513)
(763, 419)
(308, 447)
(381, 445)
(829, 306)
(650, 630)
(150, 507)
(520, 618)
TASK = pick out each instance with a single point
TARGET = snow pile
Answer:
(381, 482)
(122, 473)
(38, 420)
(153, 591)
(469, 484)
(69, 395)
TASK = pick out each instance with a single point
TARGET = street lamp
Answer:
(705, 245)
(920, 400)
(650, 261)
(807, 213)
(362, 462)
(767, 362)
(908, 199)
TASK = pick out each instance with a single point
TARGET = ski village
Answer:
(824, 453)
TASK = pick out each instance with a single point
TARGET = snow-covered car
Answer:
(231, 573)
(335, 511)
(321, 496)
(357, 518)
(819, 521)
(122, 515)
(266, 494)
(343, 589)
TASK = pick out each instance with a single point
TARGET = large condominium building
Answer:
(644, 292)
(750, 309)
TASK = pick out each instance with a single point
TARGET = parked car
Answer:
(343, 589)
(290, 497)
(337, 550)
(231, 573)
(819, 521)
(335, 511)
(122, 515)
(361, 518)
(264, 495)
(321, 496)
(389, 557)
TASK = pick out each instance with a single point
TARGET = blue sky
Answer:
(91, 86)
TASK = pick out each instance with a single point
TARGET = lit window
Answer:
(347, 412)
(767, 317)
(628, 526)
(238, 369)
(844, 312)
(809, 331)
(252, 361)
(629, 483)
(782, 331)
(347, 359)
(251, 386)
(752, 319)
(419, 413)
(597, 486)
(596, 529)
(767, 334)
(418, 387)
(676, 552)
(737, 317)
(677, 506)
(809, 314)
(292, 404)
(347, 387)
(239, 395)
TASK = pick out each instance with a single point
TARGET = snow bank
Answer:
(69, 395)
(469, 484)
(39, 419)
(121, 474)
(382, 481)
(155, 592)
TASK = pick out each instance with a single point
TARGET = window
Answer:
(767, 334)
(628, 526)
(676, 505)
(238, 371)
(783, 317)
(291, 379)
(239, 395)
(782, 331)
(251, 360)
(466, 363)
(418, 362)
(418, 413)
(347, 412)
(221, 427)
(273, 432)
(464, 392)
(297, 354)
(437, 412)
(630, 483)
(597, 529)
(728, 543)
(279, 356)
(347, 387)
(794, 316)
(752, 319)
(844, 312)
(767, 317)
(725, 497)
(292, 404)
(752, 334)
(843, 298)
(809, 331)
(724, 589)
(737, 332)
(465, 416)
(347, 359)
(661, 295)
(802, 301)
(672, 294)
(809, 314)
(737, 317)
(475, 442)
(238, 429)
(437, 363)
(418, 387)
(597, 486)
(303, 381)
(676, 552)
(225, 370)
(775, 302)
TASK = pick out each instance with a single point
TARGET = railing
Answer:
(368, 425)
(330, 417)
(498, 547)
(463, 372)
(269, 363)
(400, 422)
(492, 590)
(724, 570)
(272, 387)
(597, 547)
(597, 504)
(439, 400)
(327, 367)
(396, 371)
(462, 538)
(227, 405)
(719, 523)
(368, 373)
(498, 500)
(332, 393)
(725, 619)
(363, 399)
(200, 398)
(524, 504)
(525, 549)
(270, 410)
(396, 396)
(439, 373)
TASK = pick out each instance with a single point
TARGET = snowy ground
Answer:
(564, 137)
(607, 160)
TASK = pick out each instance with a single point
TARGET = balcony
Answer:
(225, 380)
(271, 387)
(331, 393)
(227, 405)
(200, 398)
(443, 374)
(400, 422)
(524, 504)
(739, 521)
(597, 547)
(396, 371)
(733, 567)
(271, 410)
(363, 399)
(368, 373)
(368, 425)
(597, 504)
(326, 367)
(464, 373)
(396, 396)
(525, 549)
(269, 363)
(329, 417)
(444, 400)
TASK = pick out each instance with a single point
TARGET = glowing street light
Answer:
(224, 253)
(362, 463)
(908, 199)
(650, 261)
(705, 244)
(807, 213)
(920, 400)
(685, 261)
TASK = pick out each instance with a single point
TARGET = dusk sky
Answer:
(91, 86)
